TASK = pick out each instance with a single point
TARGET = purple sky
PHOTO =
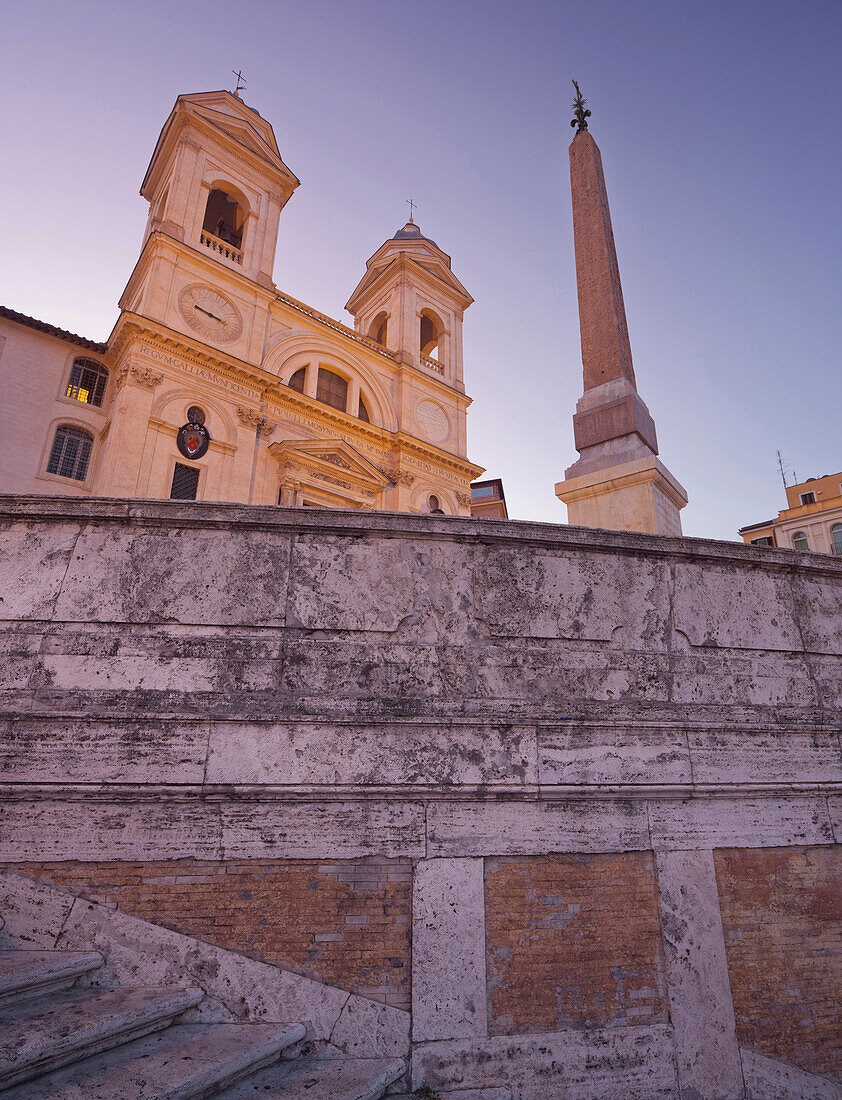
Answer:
(719, 125)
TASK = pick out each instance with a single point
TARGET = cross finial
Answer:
(241, 81)
(579, 110)
(412, 206)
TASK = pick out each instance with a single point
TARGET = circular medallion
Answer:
(432, 420)
(210, 313)
(193, 440)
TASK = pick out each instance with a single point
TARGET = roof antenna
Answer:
(412, 206)
(784, 472)
(241, 82)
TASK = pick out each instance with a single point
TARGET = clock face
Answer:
(210, 313)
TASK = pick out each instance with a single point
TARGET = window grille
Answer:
(185, 482)
(297, 380)
(836, 538)
(799, 541)
(87, 382)
(332, 390)
(71, 453)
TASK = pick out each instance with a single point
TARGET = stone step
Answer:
(79, 1026)
(28, 974)
(183, 1062)
(321, 1079)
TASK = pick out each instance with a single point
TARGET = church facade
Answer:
(216, 386)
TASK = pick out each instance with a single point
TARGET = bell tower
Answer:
(410, 301)
(216, 182)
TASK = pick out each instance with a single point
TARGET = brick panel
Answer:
(782, 917)
(344, 922)
(573, 941)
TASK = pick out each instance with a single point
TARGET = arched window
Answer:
(836, 538)
(332, 389)
(799, 541)
(297, 380)
(224, 218)
(434, 505)
(430, 333)
(87, 382)
(378, 328)
(362, 412)
(71, 453)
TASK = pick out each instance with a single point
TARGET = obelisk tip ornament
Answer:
(579, 110)
(618, 482)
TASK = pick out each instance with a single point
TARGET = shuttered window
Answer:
(71, 453)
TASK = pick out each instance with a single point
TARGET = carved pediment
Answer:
(324, 458)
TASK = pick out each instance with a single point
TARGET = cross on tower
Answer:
(411, 208)
(241, 81)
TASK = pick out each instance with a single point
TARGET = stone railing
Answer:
(216, 244)
(432, 364)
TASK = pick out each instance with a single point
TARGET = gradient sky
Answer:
(719, 125)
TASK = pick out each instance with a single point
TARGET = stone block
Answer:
(367, 753)
(701, 1010)
(33, 912)
(834, 806)
(629, 1062)
(456, 829)
(771, 1079)
(61, 750)
(765, 757)
(753, 822)
(33, 563)
(573, 596)
(366, 1029)
(735, 608)
(448, 950)
(177, 575)
(342, 830)
(819, 607)
(92, 830)
(578, 754)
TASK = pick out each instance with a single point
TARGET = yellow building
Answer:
(812, 519)
(215, 385)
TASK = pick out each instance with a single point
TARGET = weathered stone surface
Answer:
(570, 596)
(635, 1063)
(107, 830)
(60, 750)
(819, 605)
(769, 757)
(739, 822)
(742, 678)
(341, 829)
(702, 1014)
(581, 754)
(316, 1078)
(834, 806)
(366, 753)
(478, 829)
(372, 585)
(176, 575)
(33, 562)
(735, 609)
(33, 913)
(448, 950)
(366, 1029)
(770, 1079)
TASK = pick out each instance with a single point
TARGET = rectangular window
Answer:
(185, 482)
(480, 491)
(808, 498)
(766, 540)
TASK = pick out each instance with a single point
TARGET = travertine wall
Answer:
(599, 755)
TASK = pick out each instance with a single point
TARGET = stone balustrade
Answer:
(216, 244)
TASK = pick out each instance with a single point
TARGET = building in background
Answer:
(214, 385)
(488, 501)
(812, 519)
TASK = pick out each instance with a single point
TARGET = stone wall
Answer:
(606, 765)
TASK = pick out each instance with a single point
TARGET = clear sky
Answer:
(719, 125)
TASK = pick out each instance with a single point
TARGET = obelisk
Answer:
(618, 482)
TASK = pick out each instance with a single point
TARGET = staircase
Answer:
(62, 1040)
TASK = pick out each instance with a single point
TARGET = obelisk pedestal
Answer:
(618, 482)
